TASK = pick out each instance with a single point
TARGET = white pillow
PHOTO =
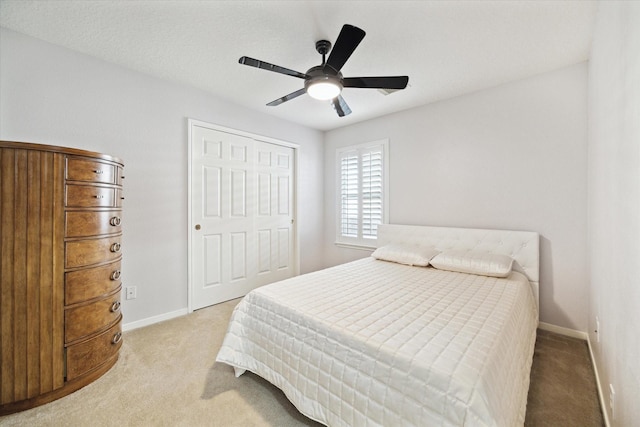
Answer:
(405, 253)
(474, 262)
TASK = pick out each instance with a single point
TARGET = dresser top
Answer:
(57, 149)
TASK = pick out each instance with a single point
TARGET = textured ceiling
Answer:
(447, 48)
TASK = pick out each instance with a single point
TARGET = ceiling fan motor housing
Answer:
(319, 73)
(323, 85)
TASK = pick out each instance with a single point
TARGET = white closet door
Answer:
(274, 217)
(242, 215)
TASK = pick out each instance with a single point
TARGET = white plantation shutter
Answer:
(362, 192)
(349, 195)
(371, 192)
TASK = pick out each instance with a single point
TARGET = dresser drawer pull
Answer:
(115, 275)
(115, 247)
(115, 221)
(116, 338)
(99, 196)
(99, 172)
(115, 306)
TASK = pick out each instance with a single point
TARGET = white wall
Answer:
(511, 157)
(52, 95)
(614, 205)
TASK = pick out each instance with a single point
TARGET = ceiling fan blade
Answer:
(348, 39)
(270, 67)
(341, 107)
(287, 97)
(395, 82)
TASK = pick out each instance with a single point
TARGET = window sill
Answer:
(358, 246)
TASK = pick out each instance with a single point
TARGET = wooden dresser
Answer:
(60, 280)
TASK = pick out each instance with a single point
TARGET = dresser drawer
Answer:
(90, 354)
(92, 223)
(79, 169)
(80, 253)
(89, 196)
(84, 320)
(83, 285)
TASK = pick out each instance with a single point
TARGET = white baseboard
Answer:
(563, 331)
(155, 319)
(605, 413)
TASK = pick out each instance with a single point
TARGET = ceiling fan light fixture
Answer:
(324, 90)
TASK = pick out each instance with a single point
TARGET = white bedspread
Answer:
(376, 343)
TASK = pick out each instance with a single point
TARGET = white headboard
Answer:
(522, 246)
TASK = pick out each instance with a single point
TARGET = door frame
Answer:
(296, 239)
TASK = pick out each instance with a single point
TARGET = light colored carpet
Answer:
(167, 376)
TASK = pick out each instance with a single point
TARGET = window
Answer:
(362, 193)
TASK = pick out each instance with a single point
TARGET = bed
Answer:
(390, 342)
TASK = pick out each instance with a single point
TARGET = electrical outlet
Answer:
(597, 329)
(131, 292)
(612, 401)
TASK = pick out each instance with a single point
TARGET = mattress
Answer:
(378, 343)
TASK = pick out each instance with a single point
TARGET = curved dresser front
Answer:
(60, 277)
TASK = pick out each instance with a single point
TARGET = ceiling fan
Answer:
(325, 81)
